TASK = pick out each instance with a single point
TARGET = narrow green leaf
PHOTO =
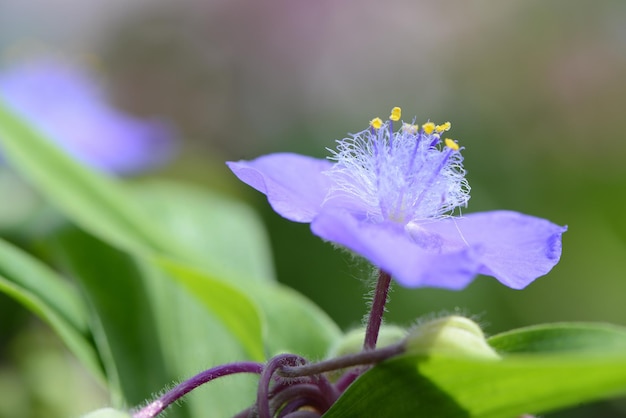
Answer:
(122, 319)
(35, 277)
(93, 201)
(212, 227)
(218, 234)
(232, 306)
(290, 322)
(194, 339)
(562, 338)
(50, 297)
(151, 331)
(293, 323)
(73, 339)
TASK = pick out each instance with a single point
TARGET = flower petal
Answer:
(516, 248)
(390, 248)
(294, 184)
(71, 109)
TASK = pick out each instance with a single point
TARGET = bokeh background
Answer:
(535, 91)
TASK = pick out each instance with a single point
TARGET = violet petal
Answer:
(294, 184)
(390, 248)
(70, 108)
(516, 248)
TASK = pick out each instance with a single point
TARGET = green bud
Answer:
(451, 335)
(352, 342)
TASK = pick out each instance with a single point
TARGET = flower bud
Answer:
(452, 336)
(352, 342)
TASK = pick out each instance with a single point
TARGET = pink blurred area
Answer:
(242, 76)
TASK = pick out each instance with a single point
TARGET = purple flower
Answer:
(390, 197)
(69, 108)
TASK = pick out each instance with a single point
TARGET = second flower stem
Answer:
(154, 408)
(378, 309)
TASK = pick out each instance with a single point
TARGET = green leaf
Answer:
(232, 306)
(151, 331)
(32, 275)
(294, 324)
(562, 338)
(453, 387)
(122, 319)
(193, 339)
(212, 227)
(74, 340)
(51, 298)
(217, 234)
(94, 202)
(537, 381)
(290, 322)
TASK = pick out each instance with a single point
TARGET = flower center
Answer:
(407, 175)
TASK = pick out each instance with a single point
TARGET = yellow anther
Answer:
(409, 128)
(451, 144)
(376, 123)
(396, 113)
(428, 128)
(443, 127)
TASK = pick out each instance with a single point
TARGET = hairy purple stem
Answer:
(281, 360)
(293, 397)
(358, 359)
(377, 310)
(156, 407)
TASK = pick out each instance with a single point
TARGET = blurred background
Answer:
(535, 91)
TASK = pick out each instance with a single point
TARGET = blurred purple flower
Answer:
(389, 196)
(70, 108)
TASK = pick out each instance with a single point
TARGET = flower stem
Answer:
(156, 407)
(358, 359)
(377, 310)
(263, 391)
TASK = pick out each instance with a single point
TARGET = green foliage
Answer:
(125, 332)
(537, 373)
(50, 297)
(176, 279)
(574, 337)
(217, 234)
